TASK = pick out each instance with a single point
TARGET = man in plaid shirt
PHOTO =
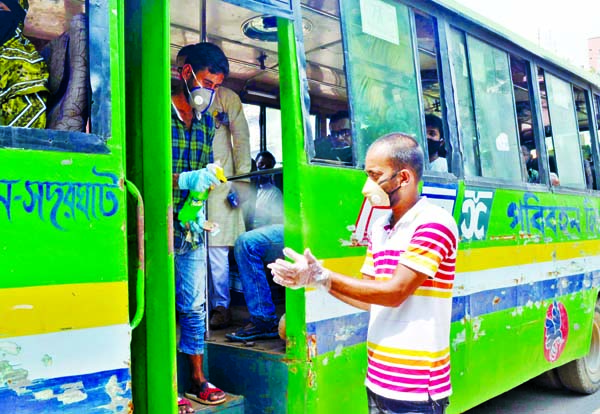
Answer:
(193, 130)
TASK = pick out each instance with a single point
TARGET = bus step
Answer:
(233, 405)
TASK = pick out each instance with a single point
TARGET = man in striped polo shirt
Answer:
(407, 284)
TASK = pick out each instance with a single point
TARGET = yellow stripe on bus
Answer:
(470, 260)
(492, 257)
(45, 309)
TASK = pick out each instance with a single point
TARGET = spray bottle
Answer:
(195, 201)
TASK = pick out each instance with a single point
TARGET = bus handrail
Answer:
(140, 288)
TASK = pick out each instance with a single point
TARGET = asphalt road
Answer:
(532, 399)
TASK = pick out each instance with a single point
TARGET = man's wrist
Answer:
(324, 279)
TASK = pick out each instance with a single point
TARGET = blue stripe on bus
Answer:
(348, 330)
(99, 392)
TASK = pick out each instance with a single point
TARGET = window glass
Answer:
(463, 99)
(252, 113)
(274, 133)
(523, 101)
(332, 144)
(547, 129)
(381, 71)
(596, 167)
(585, 138)
(431, 92)
(499, 151)
(565, 135)
(47, 84)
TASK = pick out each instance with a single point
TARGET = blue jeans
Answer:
(382, 405)
(190, 297)
(253, 250)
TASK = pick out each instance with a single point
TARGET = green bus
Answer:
(87, 314)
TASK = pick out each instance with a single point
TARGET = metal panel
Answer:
(279, 8)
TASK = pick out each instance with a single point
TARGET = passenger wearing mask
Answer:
(193, 130)
(338, 145)
(435, 143)
(253, 250)
(231, 149)
(23, 72)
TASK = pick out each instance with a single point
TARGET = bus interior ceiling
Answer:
(254, 62)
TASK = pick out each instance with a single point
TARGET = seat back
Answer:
(69, 85)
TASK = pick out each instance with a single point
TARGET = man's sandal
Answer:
(206, 393)
(185, 405)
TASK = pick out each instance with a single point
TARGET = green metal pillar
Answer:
(148, 114)
(292, 133)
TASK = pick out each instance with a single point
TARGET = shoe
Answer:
(221, 318)
(255, 329)
(206, 394)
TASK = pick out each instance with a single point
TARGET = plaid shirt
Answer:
(192, 150)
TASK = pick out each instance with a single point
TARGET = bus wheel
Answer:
(549, 379)
(583, 374)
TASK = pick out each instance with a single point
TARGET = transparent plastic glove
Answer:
(197, 180)
(305, 270)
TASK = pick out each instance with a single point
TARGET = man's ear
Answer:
(187, 72)
(405, 176)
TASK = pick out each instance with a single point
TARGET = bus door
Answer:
(258, 39)
(64, 312)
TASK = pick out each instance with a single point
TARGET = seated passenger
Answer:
(338, 144)
(435, 143)
(527, 164)
(23, 72)
(253, 250)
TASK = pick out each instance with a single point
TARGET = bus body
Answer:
(83, 263)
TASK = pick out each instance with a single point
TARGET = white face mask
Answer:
(200, 98)
(375, 194)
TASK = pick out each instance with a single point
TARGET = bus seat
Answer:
(69, 80)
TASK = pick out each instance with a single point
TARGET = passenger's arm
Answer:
(240, 140)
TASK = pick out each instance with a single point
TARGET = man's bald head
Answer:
(402, 150)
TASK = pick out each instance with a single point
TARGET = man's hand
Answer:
(197, 226)
(305, 270)
(197, 180)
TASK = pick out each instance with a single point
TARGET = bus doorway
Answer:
(262, 65)
(245, 111)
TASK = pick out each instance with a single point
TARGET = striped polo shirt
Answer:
(408, 346)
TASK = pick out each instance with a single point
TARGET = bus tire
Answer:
(549, 379)
(583, 374)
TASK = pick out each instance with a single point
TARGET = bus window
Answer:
(583, 124)
(464, 102)
(252, 113)
(49, 84)
(498, 150)
(380, 66)
(562, 138)
(273, 133)
(328, 92)
(523, 102)
(431, 92)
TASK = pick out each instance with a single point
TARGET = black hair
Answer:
(404, 152)
(206, 55)
(339, 115)
(186, 50)
(434, 121)
(268, 156)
